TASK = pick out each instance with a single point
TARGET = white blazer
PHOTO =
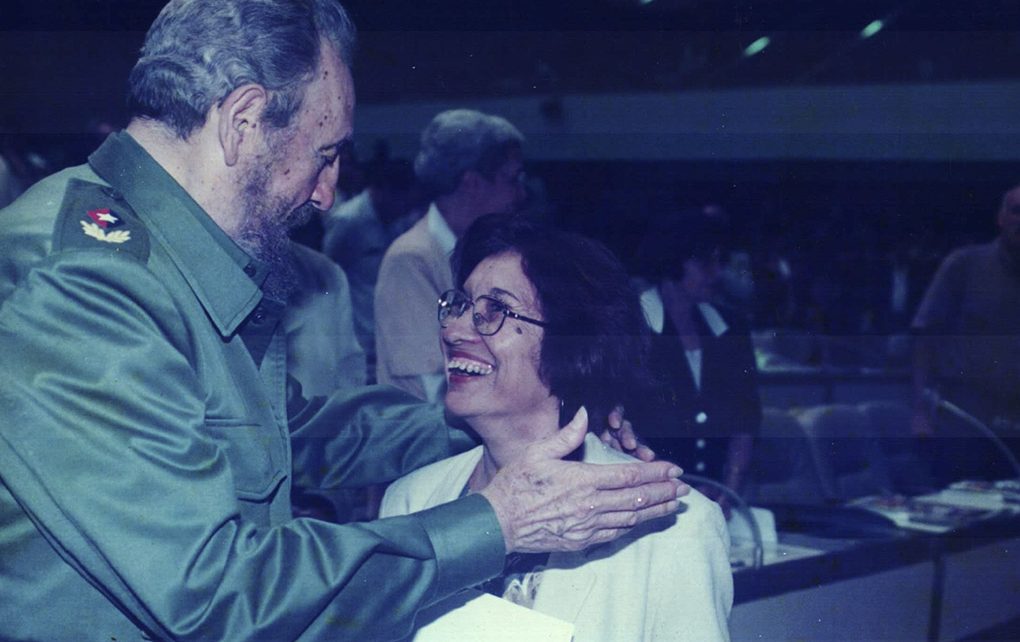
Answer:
(665, 580)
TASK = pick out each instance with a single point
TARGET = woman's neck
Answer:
(505, 439)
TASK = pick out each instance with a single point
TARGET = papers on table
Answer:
(960, 504)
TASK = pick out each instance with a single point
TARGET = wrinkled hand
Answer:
(544, 504)
(620, 435)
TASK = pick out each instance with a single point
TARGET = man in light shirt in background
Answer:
(470, 164)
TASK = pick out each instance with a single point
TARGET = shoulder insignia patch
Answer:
(94, 215)
(101, 220)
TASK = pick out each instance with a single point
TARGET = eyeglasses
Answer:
(488, 313)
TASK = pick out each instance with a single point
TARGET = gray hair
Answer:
(198, 51)
(459, 140)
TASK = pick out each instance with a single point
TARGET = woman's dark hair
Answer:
(672, 239)
(595, 346)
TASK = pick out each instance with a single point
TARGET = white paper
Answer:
(481, 617)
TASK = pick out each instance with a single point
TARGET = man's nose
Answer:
(325, 187)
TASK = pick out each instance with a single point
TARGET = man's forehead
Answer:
(329, 102)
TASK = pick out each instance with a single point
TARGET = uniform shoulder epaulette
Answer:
(97, 216)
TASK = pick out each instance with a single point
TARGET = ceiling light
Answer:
(873, 27)
(757, 46)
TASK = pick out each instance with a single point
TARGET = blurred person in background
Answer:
(967, 349)
(358, 233)
(705, 410)
(470, 164)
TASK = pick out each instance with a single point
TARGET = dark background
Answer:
(63, 66)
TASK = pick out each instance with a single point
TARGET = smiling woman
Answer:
(541, 323)
(593, 349)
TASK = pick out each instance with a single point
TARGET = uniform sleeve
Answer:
(103, 444)
(407, 332)
(370, 435)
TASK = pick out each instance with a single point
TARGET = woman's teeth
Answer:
(466, 366)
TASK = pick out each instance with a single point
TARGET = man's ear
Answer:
(240, 115)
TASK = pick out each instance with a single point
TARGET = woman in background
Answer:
(706, 410)
(542, 323)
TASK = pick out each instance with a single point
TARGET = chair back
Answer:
(908, 459)
(845, 449)
(782, 469)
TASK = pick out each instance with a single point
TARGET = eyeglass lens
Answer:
(487, 316)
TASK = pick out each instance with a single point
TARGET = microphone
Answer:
(938, 403)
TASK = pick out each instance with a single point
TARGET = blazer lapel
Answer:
(450, 479)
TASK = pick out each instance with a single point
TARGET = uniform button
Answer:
(700, 444)
(700, 466)
(259, 316)
(249, 269)
(701, 417)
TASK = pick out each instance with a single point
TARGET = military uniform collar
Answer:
(224, 277)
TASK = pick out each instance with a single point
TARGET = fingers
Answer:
(632, 475)
(620, 435)
(625, 520)
(683, 489)
(622, 429)
(615, 418)
(627, 436)
(635, 499)
(597, 528)
(644, 453)
(565, 441)
(544, 504)
(608, 437)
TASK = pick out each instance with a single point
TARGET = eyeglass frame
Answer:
(443, 306)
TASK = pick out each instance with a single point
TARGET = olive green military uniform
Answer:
(148, 435)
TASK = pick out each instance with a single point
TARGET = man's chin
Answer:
(300, 215)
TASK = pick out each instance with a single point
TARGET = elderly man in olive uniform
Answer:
(148, 435)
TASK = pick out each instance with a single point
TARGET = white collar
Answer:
(655, 313)
(713, 319)
(440, 230)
